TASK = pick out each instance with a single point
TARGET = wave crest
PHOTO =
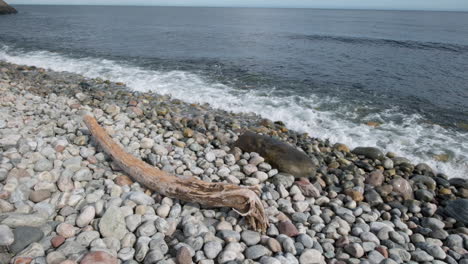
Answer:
(409, 136)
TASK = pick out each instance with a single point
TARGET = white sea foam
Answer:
(411, 137)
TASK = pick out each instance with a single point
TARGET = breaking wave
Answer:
(407, 135)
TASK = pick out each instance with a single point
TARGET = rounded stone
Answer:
(146, 143)
(355, 250)
(375, 178)
(43, 165)
(86, 216)
(403, 188)
(274, 245)
(57, 241)
(6, 236)
(39, 195)
(256, 252)
(112, 223)
(311, 256)
(66, 230)
(154, 256)
(183, 256)
(163, 210)
(287, 228)
(212, 249)
(250, 237)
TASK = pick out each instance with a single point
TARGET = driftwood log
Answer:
(243, 200)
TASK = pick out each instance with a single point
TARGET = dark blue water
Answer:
(326, 71)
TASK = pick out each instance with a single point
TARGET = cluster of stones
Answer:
(62, 200)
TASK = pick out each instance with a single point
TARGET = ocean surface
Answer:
(325, 72)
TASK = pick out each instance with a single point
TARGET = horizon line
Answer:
(269, 7)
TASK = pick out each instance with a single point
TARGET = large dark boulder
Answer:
(369, 152)
(280, 155)
(458, 209)
(6, 9)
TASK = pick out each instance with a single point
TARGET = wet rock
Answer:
(403, 188)
(369, 152)
(424, 180)
(373, 198)
(279, 154)
(458, 209)
(423, 168)
(423, 195)
(375, 178)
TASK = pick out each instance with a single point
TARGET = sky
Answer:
(454, 5)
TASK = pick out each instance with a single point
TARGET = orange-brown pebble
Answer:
(57, 241)
(341, 147)
(355, 195)
(59, 148)
(22, 260)
(123, 180)
(383, 251)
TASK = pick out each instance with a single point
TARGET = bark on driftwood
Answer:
(244, 200)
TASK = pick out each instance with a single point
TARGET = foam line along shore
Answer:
(408, 135)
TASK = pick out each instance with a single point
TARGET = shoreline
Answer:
(408, 136)
(43, 139)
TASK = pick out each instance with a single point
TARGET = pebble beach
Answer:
(63, 200)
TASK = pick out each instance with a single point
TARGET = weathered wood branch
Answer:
(244, 200)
